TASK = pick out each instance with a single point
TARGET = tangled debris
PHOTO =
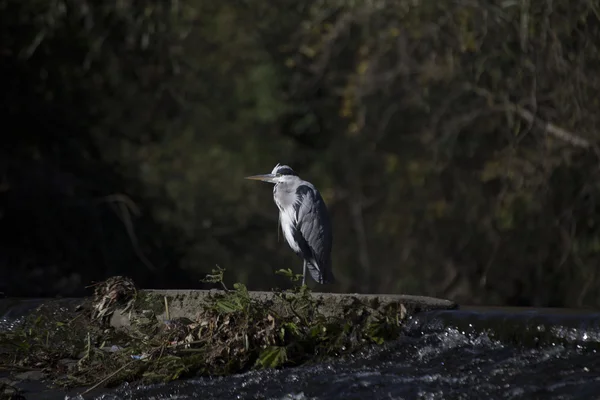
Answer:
(231, 333)
(115, 292)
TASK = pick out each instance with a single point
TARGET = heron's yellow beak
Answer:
(264, 178)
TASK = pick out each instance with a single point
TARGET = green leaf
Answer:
(215, 277)
(272, 357)
(241, 290)
(316, 331)
(290, 328)
(289, 274)
(229, 305)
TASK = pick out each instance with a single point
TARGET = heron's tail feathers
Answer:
(328, 276)
(321, 276)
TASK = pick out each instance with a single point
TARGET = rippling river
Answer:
(467, 354)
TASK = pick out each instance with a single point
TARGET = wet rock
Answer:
(68, 364)
(7, 381)
(120, 320)
(30, 376)
(9, 392)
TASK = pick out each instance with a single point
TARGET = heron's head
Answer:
(281, 173)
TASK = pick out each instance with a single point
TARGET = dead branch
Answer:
(528, 116)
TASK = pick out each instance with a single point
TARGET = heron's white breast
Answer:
(287, 225)
(284, 198)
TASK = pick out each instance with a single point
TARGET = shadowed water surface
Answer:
(463, 354)
(444, 355)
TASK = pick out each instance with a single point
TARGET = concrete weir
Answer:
(172, 304)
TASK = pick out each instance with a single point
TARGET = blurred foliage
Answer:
(454, 143)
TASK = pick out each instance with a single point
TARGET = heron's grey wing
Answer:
(314, 228)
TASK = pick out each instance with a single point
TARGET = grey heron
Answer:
(304, 221)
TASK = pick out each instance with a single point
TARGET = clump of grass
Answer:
(232, 333)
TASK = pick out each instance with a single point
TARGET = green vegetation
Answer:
(455, 143)
(232, 333)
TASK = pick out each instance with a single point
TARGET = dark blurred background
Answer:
(454, 143)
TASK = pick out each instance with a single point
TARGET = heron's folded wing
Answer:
(313, 225)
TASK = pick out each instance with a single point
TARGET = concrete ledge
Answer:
(192, 298)
(186, 303)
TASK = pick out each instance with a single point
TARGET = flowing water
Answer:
(463, 354)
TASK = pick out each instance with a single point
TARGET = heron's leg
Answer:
(304, 273)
